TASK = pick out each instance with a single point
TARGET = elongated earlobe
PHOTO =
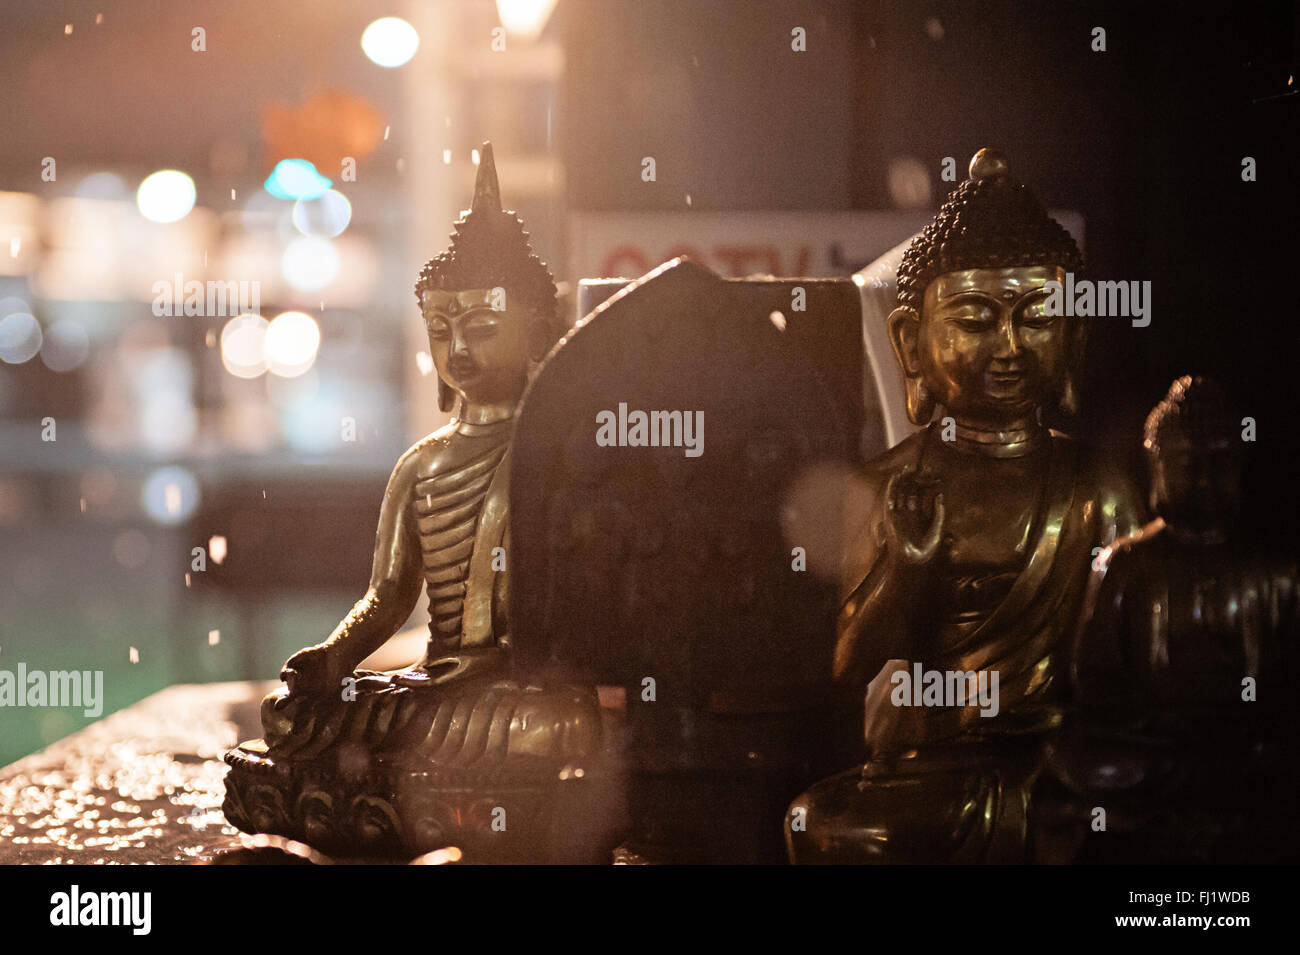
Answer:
(903, 324)
(920, 403)
(446, 397)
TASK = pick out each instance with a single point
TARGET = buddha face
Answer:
(984, 346)
(478, 345)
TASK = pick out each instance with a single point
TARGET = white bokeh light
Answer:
(310, 263)
(166, 196)
(20, 338)
(13, 304)
(170, 495)
(243, 345)
(292, 340)
(327, 215)
(66, 346)
(102, 185)
(525, 18)
(390, 42)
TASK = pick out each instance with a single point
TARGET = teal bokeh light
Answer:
(296, 179)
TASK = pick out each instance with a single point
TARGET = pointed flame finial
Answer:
(487, 193)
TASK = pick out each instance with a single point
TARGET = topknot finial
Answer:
(487, 193)
(988, 163)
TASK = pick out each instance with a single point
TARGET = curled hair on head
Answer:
(987, 222)
(489, 249)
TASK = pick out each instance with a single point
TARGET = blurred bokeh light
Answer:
(166, 196)
(66, 346)
(310, 263)
(102, 185)
(296, 179)
(292, 340)
(170, 495)
(243, 345)
(20, 338)
(525, 18)
(390, 42)
(326, 216)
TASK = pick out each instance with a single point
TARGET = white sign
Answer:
(737, 244)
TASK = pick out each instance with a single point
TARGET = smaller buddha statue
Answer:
(960, 597)
(1179, 745)
(453, 750)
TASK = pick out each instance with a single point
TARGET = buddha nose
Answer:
(1009, 344)
(459, 347)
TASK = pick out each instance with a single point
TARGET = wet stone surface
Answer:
(141, 786)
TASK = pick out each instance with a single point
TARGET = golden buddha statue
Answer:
(1179, 744)
(450, 750)
(982, 535)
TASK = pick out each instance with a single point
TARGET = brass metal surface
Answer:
(980, 544)
(454, 749)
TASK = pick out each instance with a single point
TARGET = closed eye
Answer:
(971, 311)
(1033, 311)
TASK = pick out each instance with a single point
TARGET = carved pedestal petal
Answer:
(506, 815)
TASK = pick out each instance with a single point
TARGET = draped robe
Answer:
(944, 783)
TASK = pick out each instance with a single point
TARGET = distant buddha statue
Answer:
(1179, 745)
(451, 750)
(979, 548)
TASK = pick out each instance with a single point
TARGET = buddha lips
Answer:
(653, 429)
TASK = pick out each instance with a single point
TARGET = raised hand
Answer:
(914, 516)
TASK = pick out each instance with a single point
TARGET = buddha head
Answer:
(488, 302)
(1193, 449)
(971, 331)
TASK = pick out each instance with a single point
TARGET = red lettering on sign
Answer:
(802, 261)
(732, 261)
(612, 266)
(736, 256)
